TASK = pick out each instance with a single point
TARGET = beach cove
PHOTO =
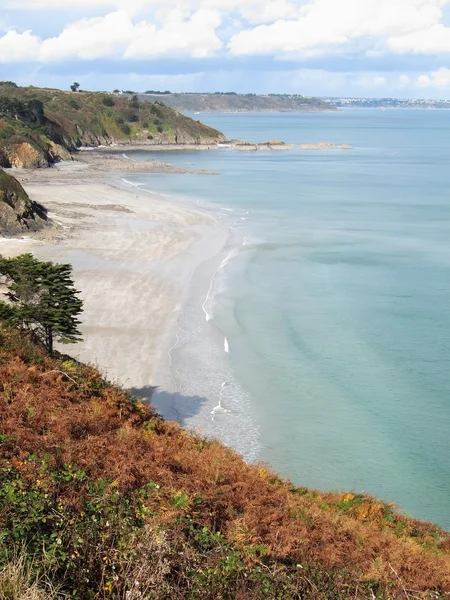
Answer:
(314, 334)
(133, 255)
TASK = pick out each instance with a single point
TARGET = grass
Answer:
(20, 580)
(92, 118)
(114, 502)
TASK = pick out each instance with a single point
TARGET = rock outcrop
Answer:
(25, 155)
(18, 213)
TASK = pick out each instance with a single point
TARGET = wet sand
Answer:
(133, 257)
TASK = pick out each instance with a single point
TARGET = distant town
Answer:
(387, 103)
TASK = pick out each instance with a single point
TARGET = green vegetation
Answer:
(39, 126)
(42, 298)
(102, 499)
(232, 102)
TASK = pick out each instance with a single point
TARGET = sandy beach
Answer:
(133, 257)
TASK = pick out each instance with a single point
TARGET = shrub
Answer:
(116, 504)
(108, 101)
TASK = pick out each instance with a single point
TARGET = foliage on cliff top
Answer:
(73, 119)
(17, 211)
(231, 102)
(113, 502)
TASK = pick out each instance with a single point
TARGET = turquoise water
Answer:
(334, 301)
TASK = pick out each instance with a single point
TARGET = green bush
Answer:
(108, 101)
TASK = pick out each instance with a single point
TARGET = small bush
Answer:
(108, 101)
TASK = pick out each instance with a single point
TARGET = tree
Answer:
(75, 86)
(42, 298)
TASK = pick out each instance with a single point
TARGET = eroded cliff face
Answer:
(18, 213)
(25, 155)
(29, 155)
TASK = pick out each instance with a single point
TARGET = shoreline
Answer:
(134, 256)
(225, 145)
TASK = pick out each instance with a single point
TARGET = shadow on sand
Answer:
(172, 407)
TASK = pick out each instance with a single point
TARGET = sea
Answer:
(320, 341)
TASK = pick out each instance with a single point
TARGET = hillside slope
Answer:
(18, 213)
(240, 102)
(40, 126)
(111, 502)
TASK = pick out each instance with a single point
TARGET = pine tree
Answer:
(42, 299)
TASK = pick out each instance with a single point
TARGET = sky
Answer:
(370, 48)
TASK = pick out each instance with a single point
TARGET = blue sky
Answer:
(314, 47)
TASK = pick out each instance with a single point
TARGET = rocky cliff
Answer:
(41, 126)
(18, 214)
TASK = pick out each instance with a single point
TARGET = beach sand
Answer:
(133, 257)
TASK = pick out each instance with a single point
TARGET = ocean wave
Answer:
(132, 183)
(219, 408)
(155, 193)
(226, 346)
(211, 292)
(128, 157)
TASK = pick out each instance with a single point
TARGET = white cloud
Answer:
(404, 80)
(326, 23)
(188, 28)
(439, 78)
(435, 39)
(195, 35)
(255, 11)
(379, 80)
(116, 35)
(15, 47)
(90, 38)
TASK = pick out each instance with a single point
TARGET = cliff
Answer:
(18, 214)
(41, 126)
(240, 102)
(106, 500)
